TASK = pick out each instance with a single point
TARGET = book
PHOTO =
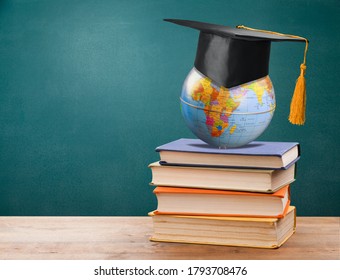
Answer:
(255, 180)
(230, 231)
(188, 201)
(257, 154)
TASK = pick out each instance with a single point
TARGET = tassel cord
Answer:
(298, 103)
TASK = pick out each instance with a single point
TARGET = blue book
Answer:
(257, 154)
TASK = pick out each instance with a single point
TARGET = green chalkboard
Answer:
(89, 88)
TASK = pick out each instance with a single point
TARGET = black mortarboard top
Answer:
(234, 56)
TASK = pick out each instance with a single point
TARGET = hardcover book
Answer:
(257, 154)
(230, 231)
(242, 179)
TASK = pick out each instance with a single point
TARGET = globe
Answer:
(226, 117)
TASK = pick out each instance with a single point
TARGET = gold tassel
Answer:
(297, 113)
(298, 104)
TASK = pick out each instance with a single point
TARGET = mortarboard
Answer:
(234, 56)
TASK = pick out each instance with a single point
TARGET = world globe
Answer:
(226, 117)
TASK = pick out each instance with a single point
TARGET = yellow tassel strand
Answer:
(297, 113)
(298, 103)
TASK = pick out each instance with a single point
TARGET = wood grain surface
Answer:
(119, 238)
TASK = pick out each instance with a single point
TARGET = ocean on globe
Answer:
(227, 117)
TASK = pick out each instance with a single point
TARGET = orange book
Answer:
(207, 202)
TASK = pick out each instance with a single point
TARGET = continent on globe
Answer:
(218, 105)
(262, 86)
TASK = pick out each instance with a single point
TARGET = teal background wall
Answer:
(89, 88)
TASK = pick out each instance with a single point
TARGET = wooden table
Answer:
(100, 238)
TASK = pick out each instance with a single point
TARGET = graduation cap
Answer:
(235, 56)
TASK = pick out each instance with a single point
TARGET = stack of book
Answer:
(236, 196)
